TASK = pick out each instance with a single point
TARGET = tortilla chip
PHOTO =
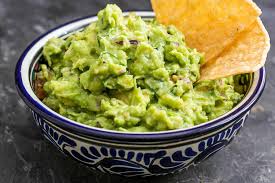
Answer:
(208, 25)
(247, 54)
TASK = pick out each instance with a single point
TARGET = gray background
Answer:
(26, 157)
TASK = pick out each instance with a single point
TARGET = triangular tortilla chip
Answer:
(208, 25)
(247, 54)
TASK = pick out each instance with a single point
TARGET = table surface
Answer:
(26, 157)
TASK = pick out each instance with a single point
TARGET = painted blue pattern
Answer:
(119, 160)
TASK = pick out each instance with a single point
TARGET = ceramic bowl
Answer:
(129, 154)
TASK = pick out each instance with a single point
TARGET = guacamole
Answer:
(129, 74)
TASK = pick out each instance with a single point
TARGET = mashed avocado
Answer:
(128, 74)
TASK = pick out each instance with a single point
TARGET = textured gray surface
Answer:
(26, 157)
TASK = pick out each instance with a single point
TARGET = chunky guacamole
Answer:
(129, 74)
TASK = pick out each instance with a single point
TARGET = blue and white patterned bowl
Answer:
(129, 154)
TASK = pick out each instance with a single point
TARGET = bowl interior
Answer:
(29, 64)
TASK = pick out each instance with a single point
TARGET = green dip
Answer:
(129, 74)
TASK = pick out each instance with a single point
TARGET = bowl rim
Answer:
(23, 87)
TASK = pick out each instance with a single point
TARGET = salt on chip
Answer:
(208, 25)
(247, 54)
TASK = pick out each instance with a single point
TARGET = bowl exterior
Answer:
(153, 160)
